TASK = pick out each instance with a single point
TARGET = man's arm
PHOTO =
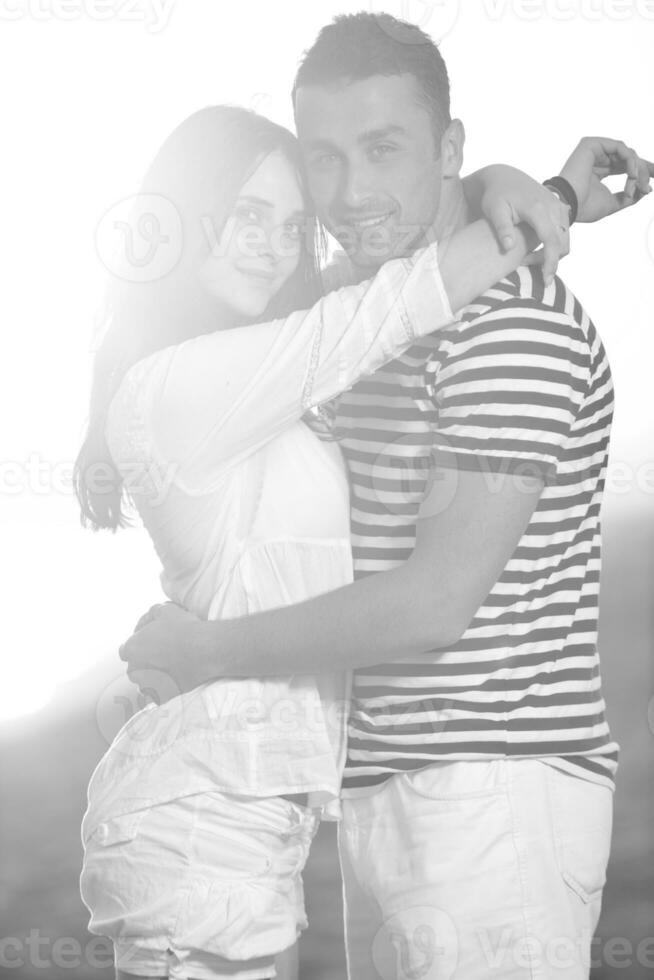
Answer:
(505, 196)
(462, 545)
(498, 439)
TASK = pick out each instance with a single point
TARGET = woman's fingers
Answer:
(502, 221)
(551, 224)
(552, 227)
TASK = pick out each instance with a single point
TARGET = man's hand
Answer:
(506, 196)
(166, 640)
(596, 158)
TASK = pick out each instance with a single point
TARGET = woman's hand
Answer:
(506, 197)
(596, 158)
(166, 641)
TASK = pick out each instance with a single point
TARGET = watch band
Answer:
(566, 193)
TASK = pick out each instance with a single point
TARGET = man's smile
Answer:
(371, 221)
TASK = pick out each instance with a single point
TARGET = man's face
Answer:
(373, 163)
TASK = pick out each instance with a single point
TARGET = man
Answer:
(478, 788)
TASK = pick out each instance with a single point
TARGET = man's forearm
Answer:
(377, 619)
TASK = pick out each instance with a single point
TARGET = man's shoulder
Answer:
(524, 292)
(519, 328)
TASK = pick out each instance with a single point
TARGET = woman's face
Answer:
(259, 248)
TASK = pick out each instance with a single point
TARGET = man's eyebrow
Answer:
(371, 135)
(318, 144)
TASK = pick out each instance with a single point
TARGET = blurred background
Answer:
(90, 89)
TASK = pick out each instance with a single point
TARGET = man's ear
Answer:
(452, 143)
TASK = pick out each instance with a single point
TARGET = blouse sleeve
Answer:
(217, 398)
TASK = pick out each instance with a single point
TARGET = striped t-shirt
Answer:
(522, 383)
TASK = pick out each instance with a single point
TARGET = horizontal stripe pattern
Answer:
(522, 384)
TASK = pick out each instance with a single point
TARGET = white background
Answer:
(91, 88)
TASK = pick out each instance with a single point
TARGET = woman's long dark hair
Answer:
(200, 170)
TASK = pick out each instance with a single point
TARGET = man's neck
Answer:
(453, 211)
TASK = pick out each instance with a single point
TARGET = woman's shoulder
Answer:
(127, 429)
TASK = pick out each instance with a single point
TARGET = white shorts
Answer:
(207, 886)
(475, 870)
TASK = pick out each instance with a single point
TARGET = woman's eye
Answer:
(293, 229)
(325, 160)
(251, 215)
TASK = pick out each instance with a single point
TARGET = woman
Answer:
(202, 811)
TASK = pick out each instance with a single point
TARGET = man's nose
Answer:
(357, 186)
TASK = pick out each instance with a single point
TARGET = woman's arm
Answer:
(471, 260)
(217, 398)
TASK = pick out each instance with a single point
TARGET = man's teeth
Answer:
(371, 222)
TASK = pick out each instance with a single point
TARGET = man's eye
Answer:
(381, 150)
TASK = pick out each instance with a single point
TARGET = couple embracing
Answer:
(380, 542)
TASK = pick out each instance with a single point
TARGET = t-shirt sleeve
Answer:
(508, 391)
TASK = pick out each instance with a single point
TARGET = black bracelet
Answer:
(566, 192)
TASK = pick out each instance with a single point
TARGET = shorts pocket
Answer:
(457, 782)
(583, 864)
(582, 891)
(112, 881)
(582, 814)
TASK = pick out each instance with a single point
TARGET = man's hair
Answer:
(355, 46)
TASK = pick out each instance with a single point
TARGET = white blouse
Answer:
(248, 510)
